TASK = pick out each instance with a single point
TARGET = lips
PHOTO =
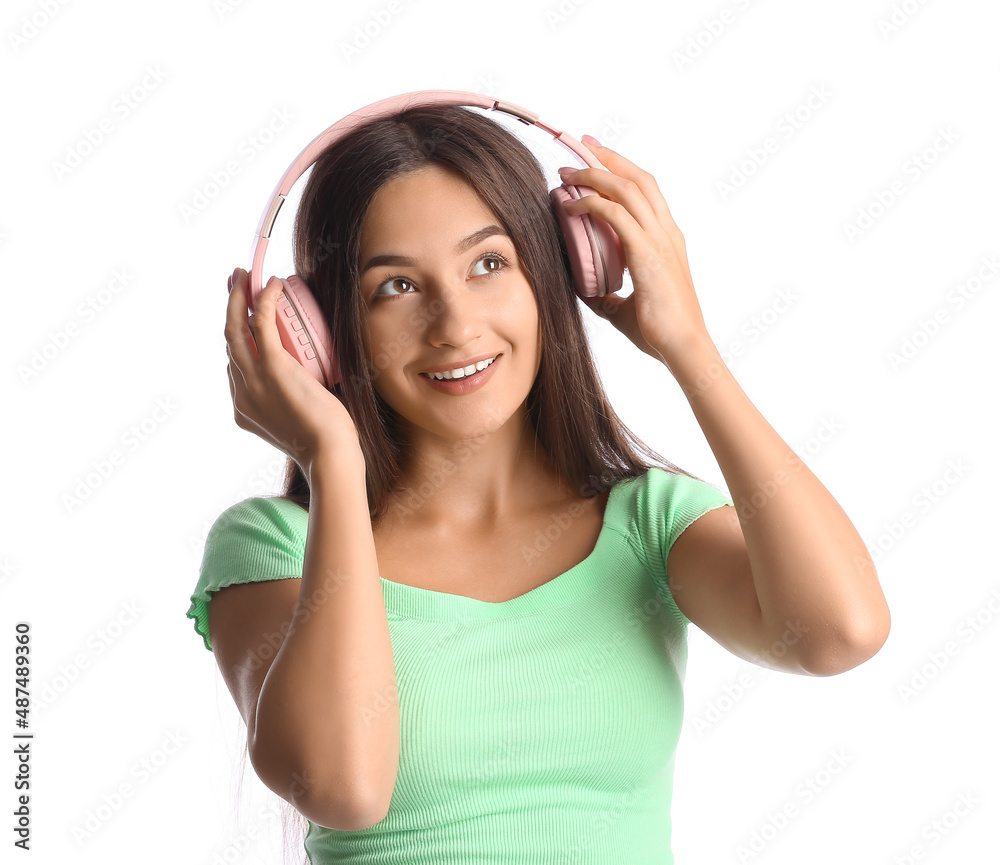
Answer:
(463, 365)
(466, 384)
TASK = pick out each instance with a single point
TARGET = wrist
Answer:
(696, 347)
(695, 363)
(339, 456)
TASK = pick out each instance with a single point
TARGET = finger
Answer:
(232, 385)
(605, 306)
(239, 339)
(645, 256)
(618, 164)
(653, 224)
(232, 367)
(632, 235)
(620, 189)
(237, 393)
(262, 325)
(232, 376)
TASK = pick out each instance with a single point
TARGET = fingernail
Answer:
(589, 139)
(567, 170)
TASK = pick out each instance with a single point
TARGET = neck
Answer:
(478, 481)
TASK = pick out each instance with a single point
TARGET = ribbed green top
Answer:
(537, 730)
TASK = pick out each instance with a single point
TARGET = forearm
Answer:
(809, 563)
(317, 713)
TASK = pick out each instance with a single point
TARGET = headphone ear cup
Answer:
(595, 251)
(304, 332)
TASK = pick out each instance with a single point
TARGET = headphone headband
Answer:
(377, 110)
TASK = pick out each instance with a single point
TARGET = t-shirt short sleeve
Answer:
(255, 540)
(667, 503)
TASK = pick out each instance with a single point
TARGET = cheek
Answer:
(523, 315)
(391, 344)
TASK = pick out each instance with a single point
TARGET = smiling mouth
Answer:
(459, 373)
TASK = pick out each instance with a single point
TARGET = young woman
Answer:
(460, 634)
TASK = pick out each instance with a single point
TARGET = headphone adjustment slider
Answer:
(521, 114)
(272, 214)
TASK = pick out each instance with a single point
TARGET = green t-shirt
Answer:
(539, 729)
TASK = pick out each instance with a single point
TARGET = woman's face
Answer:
(443, 290)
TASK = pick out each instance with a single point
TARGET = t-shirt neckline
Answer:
(415, 602)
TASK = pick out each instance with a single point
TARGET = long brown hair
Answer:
(588, 444)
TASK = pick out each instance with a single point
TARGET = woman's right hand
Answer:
(273, 395)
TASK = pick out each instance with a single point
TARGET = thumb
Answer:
(606, 307)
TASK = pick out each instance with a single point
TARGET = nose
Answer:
(454, 316)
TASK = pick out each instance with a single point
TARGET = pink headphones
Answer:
(595, 251)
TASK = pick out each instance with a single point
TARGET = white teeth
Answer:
(462, 372)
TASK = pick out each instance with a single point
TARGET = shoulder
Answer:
(256, 537)
(260, 516)
(660, 504)
(654, 509)
(255, 540)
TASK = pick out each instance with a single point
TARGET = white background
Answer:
(118, 674)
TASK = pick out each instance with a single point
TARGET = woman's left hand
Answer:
(662, 315)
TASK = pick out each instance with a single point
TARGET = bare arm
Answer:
(785, 577)
(305, 658)
(308, 668)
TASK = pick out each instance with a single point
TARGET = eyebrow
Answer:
(463, 245)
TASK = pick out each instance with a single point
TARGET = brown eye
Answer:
(393, 281)
(493, 262)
